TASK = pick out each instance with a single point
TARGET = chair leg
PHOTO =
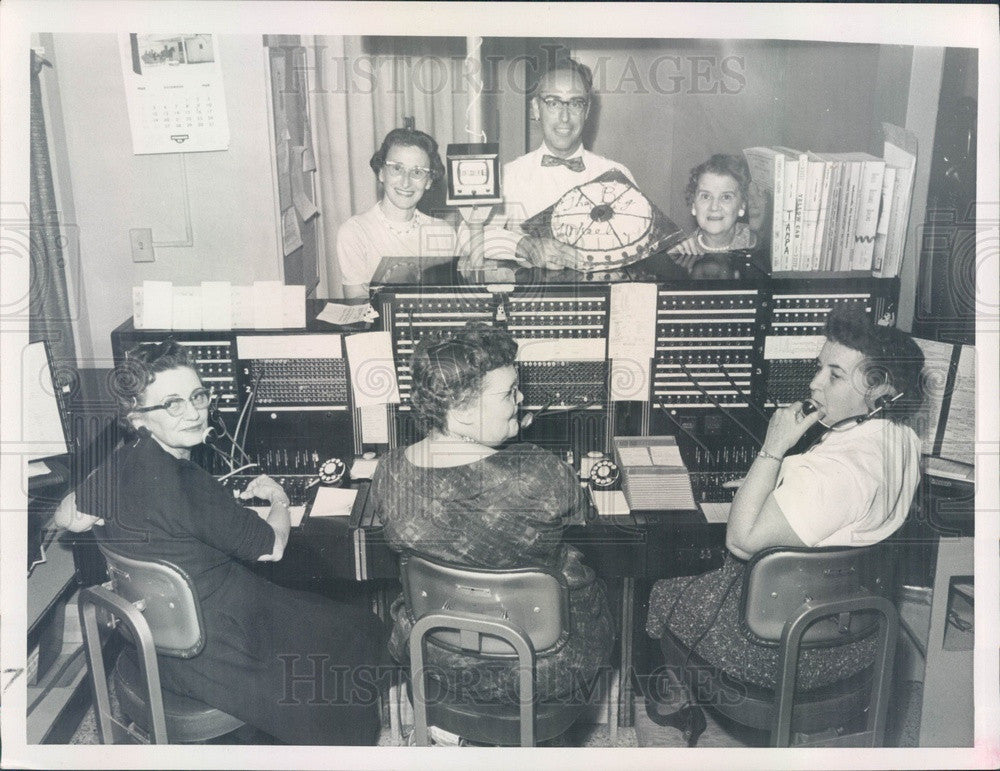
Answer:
(614, 708)
(98, 674)
(395, 709)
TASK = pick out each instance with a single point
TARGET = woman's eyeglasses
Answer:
(554, 104)
(416, 173)
(174, 406)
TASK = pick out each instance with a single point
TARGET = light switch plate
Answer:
(142, 244)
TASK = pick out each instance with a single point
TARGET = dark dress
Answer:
(507, 510)
(156, 506)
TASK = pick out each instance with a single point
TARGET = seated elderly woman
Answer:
(149, 501)
(853, 487)
(462, 495)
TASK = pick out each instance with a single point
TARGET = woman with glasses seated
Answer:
(157, 504)
(464, 495)
(406, 165)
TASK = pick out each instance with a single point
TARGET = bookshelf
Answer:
(836, 214)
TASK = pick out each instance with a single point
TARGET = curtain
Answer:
(49, 299)
(362, 88)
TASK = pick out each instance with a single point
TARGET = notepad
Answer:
(363, 468)
(333, 502)
(716, 512)
(610, 503)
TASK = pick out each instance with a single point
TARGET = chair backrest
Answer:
(777, 582)
(167, 598)
(533, 600)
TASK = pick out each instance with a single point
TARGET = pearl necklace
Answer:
(727, 248)
(408, 227)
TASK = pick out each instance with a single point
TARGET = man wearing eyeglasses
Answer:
(533, 182)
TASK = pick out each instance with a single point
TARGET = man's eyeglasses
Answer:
(416, 173)
(200, 399)
(554, 104)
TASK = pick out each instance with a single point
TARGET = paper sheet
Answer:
(666, 455)
(374, 424)
(364, 468)
(959, 440)
(291, 236)
(610, 502)
(792, 346)
(343, 315)
(294, 306)
(316, 346)
(562, 349)
(157, 304)
(716, 512)
(300, 197)
(631, 340)
(282, 153)
(242, 307)
(635, 456)
(186, 308)
(137, 312)
(373, 369)
(333, 502)
(268, 309)
(937, 360)
(216, 305)
(308, 157)
(37, 468)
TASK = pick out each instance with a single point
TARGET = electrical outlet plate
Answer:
(142, 244)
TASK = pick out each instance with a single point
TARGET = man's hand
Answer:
(547, 253)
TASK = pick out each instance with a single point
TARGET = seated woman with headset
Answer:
(462, 495)
(852, 487)
(149, 501)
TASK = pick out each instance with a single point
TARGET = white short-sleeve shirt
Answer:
(528, 188)
(366, 238)
(854, 488)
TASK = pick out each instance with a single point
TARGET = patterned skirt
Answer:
(704, 611)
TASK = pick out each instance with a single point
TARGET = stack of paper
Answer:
(653, 473)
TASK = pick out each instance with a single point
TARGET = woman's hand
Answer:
(266, 488)
(787, 426)
(68, 517)
(687, 252)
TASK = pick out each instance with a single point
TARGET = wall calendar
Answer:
(173, 87)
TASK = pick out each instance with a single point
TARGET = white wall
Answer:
(230, 192)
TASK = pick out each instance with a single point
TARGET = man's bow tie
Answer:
(573, 164)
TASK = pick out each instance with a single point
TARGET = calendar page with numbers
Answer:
(173, 87)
